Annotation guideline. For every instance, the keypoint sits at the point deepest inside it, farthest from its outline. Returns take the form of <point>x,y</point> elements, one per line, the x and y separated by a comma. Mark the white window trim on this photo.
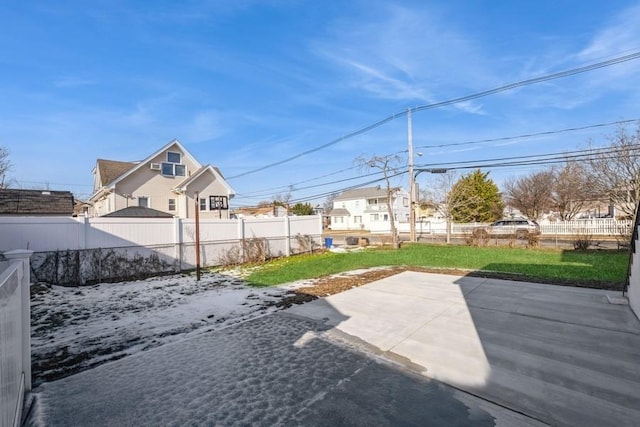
<point>173,167</point>
<point>175,204</point>
<point>174,152</point>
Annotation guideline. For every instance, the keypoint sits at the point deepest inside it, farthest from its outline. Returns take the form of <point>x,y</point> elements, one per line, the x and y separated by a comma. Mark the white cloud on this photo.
<point>620,35</point>
<point>618,38</point>
<point>402,54</point>
<point>205,126</point>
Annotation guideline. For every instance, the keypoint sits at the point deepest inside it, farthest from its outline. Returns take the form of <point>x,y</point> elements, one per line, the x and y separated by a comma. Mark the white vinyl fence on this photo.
<point>633,280</point>
<point>15,338</point>
<point>76,250</point>
<point>595,227</point>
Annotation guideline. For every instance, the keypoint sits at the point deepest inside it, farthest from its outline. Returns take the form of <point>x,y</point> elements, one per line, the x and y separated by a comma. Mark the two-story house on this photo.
<point>169,180</point>
<point>366,209</point>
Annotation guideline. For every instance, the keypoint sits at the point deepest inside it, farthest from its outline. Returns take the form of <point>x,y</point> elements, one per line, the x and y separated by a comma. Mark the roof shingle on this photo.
<point>35,202</point>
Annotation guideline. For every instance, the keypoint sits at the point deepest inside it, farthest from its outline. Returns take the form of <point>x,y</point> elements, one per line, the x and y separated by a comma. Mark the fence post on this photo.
<point>287,236</point>
<point>84,226</point>
<point>241,237</point>
<point>23,256</point>
<point>177,242</point>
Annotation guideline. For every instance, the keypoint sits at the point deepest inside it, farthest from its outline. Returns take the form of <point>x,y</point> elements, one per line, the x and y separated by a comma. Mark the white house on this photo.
<point>366,209</point>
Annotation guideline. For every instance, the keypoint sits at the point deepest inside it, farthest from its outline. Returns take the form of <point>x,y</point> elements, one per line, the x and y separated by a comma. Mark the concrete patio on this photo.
<point>562,355</point>
<point>412,349</point>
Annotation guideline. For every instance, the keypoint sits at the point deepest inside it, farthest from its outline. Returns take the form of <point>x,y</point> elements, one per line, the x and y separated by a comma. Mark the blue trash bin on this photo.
<point>328,242</point>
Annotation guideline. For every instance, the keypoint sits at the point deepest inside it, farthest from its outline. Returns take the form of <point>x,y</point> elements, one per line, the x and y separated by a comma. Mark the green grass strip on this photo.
<point>592,267</point>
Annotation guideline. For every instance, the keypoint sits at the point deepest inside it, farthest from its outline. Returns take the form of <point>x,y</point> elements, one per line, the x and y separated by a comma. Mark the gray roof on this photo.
<point>35,202</point>
<point>138,212</point>
<point>110,170</point>
<point>340,212</point>
<point>362,193</point>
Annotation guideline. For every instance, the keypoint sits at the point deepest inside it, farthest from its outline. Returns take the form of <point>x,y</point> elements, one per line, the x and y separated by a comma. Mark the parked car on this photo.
<point>509,227</point>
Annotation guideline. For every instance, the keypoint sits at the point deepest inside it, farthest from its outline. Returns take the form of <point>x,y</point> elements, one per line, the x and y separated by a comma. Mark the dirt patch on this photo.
<point>338,283</point>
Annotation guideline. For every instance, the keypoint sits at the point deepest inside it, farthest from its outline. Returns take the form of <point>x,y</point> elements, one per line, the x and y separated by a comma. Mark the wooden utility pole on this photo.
<point>412,183</point>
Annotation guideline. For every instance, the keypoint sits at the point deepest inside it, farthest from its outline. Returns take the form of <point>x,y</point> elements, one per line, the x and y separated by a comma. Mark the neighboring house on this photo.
<point>366,209</point>
<point>81,208</point>
<point>168,181</point>
<point>260,212</point>
<point>35,202</point>
<point>426,210</point>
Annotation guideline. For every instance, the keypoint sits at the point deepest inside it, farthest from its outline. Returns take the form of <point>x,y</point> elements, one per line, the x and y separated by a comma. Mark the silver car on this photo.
<point>509,227</point>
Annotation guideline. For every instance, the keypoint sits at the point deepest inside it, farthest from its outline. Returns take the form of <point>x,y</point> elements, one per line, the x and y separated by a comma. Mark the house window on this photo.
<point>372,202</point>
<point>357,219</point>
<point>173,157</point>
<point>203,204</point>
<point>374,217</point>
<point>172,204</point>
<point>357,203</point>
<point>385,217</point>
<point>143,201</point>
<point>405,202</point>
<point>173,169</point>
<point>173,166</point>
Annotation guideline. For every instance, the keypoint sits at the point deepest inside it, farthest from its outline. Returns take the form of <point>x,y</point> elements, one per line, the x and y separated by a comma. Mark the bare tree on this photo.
<point>328,202</point>
<point>570,190</point>
<point>444,197</point>
<point>283,199</point>
<point>5,165</point>
<point>388,165</point>
<point>532,195</point>
<point>616,170</point>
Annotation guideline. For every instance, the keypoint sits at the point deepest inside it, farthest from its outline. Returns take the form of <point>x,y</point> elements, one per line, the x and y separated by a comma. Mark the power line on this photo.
<point>531,81</point>
<point>529,135</point>
<point>265,192</point>
<point>541,159</point>
<point>466,98</point>
<point>531,160</point>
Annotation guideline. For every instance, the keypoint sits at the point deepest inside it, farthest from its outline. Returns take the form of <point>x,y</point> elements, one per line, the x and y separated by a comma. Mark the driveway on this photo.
<point>412,349</point>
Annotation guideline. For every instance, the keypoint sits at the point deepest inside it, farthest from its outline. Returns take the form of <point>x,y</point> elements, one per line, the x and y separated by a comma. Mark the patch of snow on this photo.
<point>75,328</point>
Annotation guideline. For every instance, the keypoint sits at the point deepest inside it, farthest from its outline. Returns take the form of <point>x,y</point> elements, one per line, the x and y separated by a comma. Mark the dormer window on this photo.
<point>173,165</point>
<point>173,157</point>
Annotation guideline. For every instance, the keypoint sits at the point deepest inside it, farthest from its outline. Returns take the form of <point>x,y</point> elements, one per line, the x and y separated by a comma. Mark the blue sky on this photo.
<point>245,84</point>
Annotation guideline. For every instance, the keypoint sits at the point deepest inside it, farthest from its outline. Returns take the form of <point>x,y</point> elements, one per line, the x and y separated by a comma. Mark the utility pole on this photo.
<point>412,184</point>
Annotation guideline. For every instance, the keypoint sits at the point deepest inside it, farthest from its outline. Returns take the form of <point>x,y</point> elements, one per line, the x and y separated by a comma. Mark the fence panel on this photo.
<point>126,232</point>
<point>40,233</point>
<point>11,373</point>
<point>15,342</point>
<point>80,250</point>
<point>305,233</point>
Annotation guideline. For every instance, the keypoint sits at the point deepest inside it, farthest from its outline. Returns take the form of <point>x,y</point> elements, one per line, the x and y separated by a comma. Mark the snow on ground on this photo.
<point>76,328</point>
